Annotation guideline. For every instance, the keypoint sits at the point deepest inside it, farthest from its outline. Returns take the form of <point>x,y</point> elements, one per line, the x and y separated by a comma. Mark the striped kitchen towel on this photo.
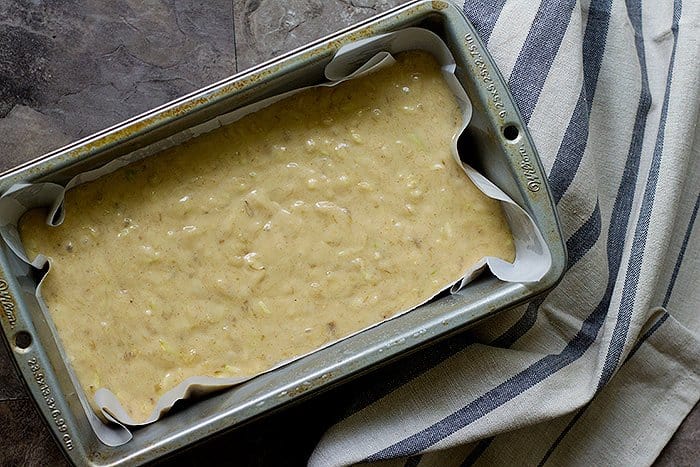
<point>602,369</point>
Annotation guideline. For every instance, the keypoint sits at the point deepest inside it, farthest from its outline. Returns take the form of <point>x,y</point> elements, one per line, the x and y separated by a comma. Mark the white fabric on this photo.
<point>603,370</point>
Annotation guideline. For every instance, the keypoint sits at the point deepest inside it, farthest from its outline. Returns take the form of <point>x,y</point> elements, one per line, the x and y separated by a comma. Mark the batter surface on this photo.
<point>260,241</point>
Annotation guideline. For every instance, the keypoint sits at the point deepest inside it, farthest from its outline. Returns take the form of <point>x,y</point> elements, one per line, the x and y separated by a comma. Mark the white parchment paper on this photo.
<point>360,58</point>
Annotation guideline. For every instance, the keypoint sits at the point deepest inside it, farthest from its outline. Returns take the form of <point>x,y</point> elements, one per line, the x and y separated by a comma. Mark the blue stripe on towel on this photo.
<point>644,337</point>
<point>629,290</point>
<point>577,246</point>
<point>537,55</point>
<point>529,377</point>
<point>572,148</point>
<point>647,335</point>
<point>681,254</point>
<point>484,16</point>
<point>413,461</point>
<point>568,160</point>
<point>634,11</point>
<point>477,452</point>
<point>577,416</point>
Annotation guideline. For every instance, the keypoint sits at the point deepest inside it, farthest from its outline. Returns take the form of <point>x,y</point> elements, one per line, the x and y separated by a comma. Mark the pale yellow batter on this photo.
<point>298,225</point>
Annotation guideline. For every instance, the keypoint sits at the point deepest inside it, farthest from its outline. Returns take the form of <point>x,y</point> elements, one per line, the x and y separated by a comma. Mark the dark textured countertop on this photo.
<point>69,68</point>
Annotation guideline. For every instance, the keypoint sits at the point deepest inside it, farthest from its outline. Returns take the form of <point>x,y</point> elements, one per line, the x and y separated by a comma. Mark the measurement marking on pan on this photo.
<point>485,74</point>
<point>533,180</point>
<point>46,392</point>
<point>8,304</point>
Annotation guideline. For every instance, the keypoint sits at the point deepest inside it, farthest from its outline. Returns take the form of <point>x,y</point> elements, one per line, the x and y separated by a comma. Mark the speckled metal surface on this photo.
<point>69,68</point>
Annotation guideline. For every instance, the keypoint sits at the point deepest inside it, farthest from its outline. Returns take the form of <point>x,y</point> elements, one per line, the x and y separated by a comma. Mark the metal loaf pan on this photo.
<point>496,142</point>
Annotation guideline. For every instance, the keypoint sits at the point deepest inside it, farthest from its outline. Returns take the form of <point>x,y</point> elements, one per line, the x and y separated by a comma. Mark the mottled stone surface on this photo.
<point>69,68</point>
<point>267,28</point>
<point>24,438</point>
<point>27,133</point>
<point>684,447</point>
<point>88,65</point>
<point>10,385</point>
